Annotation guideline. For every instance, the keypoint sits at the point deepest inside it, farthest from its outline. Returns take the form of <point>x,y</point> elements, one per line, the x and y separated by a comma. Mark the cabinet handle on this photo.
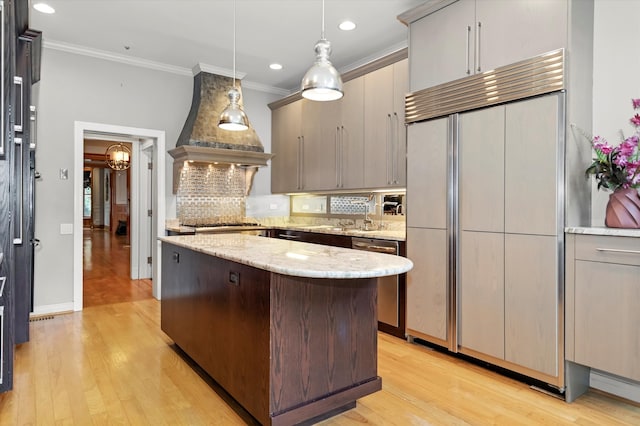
<point>289,237</point>
<point>342,168</point>
<point>302,162</point>
<point>467,50</point>
<point>3,280</point>
<point>33,136</point>
<point>298,164</point>
<point>2,94</point>
<point>388,145</point>
<point>617,250</point>
<point>17,126</point>
<point>337,155</point>
<point>175,256</point>
<point>478,47</point>
<point>397,162</point>
<point>19,193</point>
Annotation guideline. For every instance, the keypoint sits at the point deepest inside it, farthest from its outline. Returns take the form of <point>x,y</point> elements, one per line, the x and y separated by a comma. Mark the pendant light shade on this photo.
<point>322,82</point>
<point>233,117</point>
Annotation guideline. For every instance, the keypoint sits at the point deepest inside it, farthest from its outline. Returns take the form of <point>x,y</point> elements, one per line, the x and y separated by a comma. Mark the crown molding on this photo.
<point>114,57</point>
<point>159,66</point>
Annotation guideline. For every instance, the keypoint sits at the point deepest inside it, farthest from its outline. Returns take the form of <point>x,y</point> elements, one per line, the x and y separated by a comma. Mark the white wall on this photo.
<point>616,67</point>
<point>81,88</point>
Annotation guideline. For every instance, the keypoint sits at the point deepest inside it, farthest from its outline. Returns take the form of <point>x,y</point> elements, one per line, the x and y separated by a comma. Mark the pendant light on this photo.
<point>233,117</point>
<point>322,82</point>
<point>118,157</point>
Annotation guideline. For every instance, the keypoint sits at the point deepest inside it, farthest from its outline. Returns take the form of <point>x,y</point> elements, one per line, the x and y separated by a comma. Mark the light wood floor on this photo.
<point>111,364</point>
<point>106,270</point>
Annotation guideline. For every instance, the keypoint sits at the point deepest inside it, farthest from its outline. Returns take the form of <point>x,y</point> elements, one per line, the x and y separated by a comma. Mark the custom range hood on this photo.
<point>201,140</point>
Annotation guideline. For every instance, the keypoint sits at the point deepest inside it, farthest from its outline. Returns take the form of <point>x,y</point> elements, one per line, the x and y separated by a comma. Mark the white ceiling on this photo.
<point>184,33</point>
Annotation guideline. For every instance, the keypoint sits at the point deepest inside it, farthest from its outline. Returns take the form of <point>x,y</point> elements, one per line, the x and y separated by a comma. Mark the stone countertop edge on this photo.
<point>381,234</point>
<point>603,230</point>
<point>293,257</point>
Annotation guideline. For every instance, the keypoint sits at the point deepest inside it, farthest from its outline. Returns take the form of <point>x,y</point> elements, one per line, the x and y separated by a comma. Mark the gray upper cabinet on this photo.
<point>385,132</point>
<point>474,36</point>
<point>333,140</point>
<point>320,146</point>
<point>286,142</point>
<point>350,136</point>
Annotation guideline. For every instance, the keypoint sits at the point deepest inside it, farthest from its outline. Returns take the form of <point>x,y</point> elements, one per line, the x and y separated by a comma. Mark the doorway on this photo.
<point>146,183</point>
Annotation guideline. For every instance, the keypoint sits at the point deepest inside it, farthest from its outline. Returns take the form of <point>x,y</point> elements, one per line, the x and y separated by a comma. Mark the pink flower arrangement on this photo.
<point>618,167</point>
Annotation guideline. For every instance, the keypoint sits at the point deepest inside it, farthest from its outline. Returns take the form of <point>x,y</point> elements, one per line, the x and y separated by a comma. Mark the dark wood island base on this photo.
<point>286,348</point>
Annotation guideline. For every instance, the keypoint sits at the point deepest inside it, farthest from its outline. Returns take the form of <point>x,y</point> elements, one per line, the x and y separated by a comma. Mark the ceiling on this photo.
<point>184,33</point>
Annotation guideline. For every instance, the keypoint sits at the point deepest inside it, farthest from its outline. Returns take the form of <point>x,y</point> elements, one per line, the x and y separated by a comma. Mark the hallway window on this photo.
<point>86,210</point>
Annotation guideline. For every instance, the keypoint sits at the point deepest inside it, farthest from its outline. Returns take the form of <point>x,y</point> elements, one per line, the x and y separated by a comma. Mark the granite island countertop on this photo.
<point>603,230</point>
<point>293,257</point>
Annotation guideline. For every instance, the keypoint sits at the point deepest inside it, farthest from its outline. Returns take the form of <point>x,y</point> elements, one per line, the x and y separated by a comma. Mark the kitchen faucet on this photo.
<point>366,221</point>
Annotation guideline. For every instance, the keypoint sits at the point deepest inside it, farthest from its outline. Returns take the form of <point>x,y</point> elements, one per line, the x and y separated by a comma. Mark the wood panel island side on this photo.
<point>288,329</point>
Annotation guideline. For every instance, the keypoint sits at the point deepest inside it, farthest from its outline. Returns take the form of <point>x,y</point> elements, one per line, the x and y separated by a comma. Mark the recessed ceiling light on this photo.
<point>347,26</point>
<point>44,8</point>
<point>275,66</point>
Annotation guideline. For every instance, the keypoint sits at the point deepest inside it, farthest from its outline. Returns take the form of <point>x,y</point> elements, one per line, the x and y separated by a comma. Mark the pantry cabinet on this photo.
<point>473,36</point>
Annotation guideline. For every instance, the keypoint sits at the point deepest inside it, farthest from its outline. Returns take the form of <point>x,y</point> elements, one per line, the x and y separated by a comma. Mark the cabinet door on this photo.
<point>531,166</point>
<point>481,292</point>
<point>427,296</point>
<point>481,170</point>
<point>607,315</point>
<point>511,31</point>
<point>285,142</point>
<point>441,45</point>
<point>531,302</point>
<point>378,129</point>
<point>320,144</point>
<point>400,89</point>
<point>427,173</point>
<point>352,135</point>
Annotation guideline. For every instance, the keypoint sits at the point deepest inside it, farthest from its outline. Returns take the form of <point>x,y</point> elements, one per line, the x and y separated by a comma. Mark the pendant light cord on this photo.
<point>322,35</point>
<point>234,43</point>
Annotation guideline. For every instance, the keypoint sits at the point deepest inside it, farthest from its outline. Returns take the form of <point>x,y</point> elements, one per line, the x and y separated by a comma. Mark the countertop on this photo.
<point>293,257</point>
<point>603,230</point>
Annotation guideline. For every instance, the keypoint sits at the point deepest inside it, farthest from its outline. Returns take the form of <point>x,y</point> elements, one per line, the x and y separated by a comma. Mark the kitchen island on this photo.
<point>288,329</point>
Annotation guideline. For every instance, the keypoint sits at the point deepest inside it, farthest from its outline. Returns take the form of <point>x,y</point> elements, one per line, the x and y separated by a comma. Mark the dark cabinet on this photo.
<point>20,62</point>
<point>7,278</point>
<point>27,55</point>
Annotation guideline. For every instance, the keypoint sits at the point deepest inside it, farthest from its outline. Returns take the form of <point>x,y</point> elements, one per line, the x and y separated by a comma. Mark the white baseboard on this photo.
<point>619,386</point>
<point>53,309</point>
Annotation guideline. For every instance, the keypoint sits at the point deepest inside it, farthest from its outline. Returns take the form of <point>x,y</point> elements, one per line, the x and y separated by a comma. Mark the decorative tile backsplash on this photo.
<point>209,193</point>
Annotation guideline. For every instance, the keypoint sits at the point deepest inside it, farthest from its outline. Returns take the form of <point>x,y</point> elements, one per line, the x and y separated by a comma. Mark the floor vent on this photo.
<point>41,318</point>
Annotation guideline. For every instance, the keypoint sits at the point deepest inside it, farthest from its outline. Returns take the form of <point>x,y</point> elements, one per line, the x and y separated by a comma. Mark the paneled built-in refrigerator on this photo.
<point>486,215</point>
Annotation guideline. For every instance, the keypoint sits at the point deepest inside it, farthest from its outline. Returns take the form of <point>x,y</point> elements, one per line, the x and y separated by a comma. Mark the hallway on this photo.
<point>105,267</point>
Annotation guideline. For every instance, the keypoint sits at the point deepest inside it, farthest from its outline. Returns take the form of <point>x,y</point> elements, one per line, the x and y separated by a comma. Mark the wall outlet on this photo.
<point>273,206</point>
<point>64,174</point>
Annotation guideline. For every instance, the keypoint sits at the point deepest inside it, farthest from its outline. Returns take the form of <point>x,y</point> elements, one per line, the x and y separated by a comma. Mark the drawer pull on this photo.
<point>618,250</point>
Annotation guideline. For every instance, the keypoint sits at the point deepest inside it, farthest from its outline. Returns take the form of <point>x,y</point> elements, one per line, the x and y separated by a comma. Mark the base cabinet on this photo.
<point>286,348</point>
<point>603,304</point>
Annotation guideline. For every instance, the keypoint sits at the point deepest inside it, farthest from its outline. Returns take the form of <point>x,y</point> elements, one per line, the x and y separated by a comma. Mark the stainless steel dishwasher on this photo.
<point>389,309</point>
